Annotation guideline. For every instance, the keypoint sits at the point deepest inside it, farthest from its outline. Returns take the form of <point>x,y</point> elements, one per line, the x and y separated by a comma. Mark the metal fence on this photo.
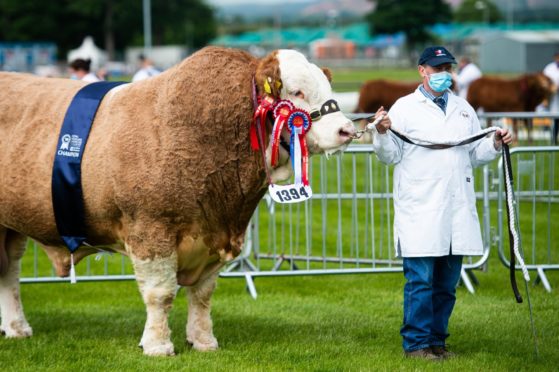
<point>346,227</point>
<point>536,185</point>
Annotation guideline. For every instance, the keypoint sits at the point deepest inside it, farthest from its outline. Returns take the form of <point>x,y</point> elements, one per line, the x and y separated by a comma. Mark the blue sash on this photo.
<point>67,194</point>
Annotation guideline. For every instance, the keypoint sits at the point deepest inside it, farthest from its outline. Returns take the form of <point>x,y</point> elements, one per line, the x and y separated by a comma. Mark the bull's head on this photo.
<point>287,74</point>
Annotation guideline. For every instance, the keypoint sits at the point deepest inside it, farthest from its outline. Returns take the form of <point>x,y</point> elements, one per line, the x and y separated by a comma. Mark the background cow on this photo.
<point>376,93</point>
<point>522,94</point>
<point>168,175</point>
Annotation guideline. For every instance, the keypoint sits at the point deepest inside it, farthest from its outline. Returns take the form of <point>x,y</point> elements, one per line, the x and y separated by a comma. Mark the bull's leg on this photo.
<point>199,331</point>
<point>14,323</point>
<point>157,279</point>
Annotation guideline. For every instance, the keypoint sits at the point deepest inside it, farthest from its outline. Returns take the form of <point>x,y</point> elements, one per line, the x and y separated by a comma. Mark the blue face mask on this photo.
<point>440,81</point>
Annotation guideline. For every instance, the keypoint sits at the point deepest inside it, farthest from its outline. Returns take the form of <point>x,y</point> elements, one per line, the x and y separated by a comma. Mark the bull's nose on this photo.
<point>347,131</point>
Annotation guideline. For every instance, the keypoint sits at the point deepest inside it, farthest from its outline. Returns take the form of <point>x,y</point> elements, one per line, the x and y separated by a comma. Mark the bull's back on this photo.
<point>31,114</point>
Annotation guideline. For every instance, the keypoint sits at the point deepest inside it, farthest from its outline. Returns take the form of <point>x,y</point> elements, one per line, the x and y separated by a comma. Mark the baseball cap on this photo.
<point>435,56</point>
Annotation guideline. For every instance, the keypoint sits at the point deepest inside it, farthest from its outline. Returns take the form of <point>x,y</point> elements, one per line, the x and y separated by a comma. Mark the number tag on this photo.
<point>294,193</point>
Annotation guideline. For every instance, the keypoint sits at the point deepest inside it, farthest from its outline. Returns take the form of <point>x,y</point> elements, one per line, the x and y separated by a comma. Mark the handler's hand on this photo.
<point>501,135</point>
<point>385,123</point>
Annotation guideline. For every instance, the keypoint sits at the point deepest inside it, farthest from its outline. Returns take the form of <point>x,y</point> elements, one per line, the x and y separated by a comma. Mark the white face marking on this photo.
<point>332,132</point>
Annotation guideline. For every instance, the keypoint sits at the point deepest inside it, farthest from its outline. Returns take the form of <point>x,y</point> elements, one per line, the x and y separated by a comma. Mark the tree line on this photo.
<point>114,24</point>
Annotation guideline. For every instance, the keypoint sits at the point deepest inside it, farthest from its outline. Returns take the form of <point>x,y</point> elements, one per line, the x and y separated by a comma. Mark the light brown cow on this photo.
<point>376,93</point>
<point>522,94</point>
<point>168,175</point>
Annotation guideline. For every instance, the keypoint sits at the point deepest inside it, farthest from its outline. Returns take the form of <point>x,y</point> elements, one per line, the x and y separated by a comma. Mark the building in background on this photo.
<point>26,56</point>
<point>517,51</point>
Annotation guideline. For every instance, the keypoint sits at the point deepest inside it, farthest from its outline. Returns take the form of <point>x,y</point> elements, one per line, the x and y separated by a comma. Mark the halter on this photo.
<point>327,107</point>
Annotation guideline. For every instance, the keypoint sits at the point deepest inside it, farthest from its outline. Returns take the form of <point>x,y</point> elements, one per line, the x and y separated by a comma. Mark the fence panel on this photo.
<point>345,228</point>
<point>536,186</point>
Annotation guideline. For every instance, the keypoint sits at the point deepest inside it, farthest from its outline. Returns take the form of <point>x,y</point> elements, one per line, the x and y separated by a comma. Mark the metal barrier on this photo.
<point>345,228</point>
<point>534,120</point>
<point>36,267</point>
<point>536,185</point>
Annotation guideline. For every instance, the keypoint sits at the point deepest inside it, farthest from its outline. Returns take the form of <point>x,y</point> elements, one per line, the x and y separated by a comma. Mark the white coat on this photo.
<point>434,199</point>
<point>467,76</point>
<point>552,72</point>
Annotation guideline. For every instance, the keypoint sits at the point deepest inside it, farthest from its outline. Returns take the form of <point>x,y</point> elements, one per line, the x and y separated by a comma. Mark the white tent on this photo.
<point>88,50</point>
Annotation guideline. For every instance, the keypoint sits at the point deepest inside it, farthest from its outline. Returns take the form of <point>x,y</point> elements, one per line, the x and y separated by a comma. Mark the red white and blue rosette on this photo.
<point>298,123</point>
<point>282,110</point>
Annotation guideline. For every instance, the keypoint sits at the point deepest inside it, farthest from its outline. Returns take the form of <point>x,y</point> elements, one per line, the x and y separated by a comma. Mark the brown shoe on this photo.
<point>426,353</point>
<point>442,352</point>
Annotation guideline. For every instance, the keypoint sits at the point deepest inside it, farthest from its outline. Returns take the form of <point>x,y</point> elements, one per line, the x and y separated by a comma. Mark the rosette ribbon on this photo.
<point>298,124</point>
<point>282,110</point>
<point>258,128</point>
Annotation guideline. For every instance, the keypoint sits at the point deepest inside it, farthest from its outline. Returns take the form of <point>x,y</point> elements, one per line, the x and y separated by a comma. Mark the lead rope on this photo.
<point>514,236</point>
<point>514,242</point>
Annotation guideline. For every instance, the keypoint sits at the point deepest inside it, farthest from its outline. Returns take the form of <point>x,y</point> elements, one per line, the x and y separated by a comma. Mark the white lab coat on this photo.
<point>145,73</point>
<point>552,71</point>
<point>434,199</point>
<point>467,75</point>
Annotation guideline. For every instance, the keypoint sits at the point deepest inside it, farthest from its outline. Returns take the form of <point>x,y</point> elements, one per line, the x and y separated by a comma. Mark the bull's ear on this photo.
<point>328,73</point>
<point>268,76</point>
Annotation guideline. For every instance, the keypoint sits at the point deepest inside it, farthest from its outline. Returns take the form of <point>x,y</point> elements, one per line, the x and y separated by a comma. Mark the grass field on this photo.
<point>309,323</point>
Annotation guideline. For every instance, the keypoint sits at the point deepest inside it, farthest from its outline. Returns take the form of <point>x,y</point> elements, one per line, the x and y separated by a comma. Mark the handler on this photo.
<point>435,217</point>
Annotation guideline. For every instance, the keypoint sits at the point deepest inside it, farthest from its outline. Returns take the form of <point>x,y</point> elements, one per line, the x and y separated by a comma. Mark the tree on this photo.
<point>411,17</point>
<point>477,11</point>
<point>114,24</point>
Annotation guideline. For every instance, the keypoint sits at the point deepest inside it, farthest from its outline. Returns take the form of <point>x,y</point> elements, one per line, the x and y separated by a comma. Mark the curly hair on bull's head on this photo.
<point>268,76</point>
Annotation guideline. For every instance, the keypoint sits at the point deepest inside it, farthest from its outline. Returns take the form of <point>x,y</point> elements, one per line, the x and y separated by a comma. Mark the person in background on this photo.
<point>552,72</point>
<point>435,217</point>
<point>467,73</point>
<point>80,70</point>
<point>146,70</point>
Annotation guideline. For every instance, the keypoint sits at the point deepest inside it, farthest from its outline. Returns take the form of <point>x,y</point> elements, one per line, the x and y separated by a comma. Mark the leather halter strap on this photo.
<point>327,107</point>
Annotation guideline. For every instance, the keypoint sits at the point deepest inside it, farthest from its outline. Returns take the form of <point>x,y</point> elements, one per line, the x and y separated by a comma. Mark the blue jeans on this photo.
<point>429,297</point>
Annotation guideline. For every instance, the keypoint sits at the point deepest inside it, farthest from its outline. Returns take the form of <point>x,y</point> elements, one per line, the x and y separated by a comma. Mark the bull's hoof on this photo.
<point>17,329</point>
<point>206,345</point>
<point>158,349</point>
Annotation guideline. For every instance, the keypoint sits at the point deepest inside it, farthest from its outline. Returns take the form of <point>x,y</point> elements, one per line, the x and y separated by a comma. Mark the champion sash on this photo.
<point>67,194</point>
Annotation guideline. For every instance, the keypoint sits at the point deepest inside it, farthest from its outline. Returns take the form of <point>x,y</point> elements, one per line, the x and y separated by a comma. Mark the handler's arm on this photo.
<point>483,151</point>
<point>387,146</point>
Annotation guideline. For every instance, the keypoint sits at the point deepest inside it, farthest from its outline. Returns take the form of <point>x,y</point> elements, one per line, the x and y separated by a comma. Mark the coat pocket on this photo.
<point>422,194</point>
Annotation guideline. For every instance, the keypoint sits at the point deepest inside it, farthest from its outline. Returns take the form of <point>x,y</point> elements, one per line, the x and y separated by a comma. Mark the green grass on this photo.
<point>307,323</point>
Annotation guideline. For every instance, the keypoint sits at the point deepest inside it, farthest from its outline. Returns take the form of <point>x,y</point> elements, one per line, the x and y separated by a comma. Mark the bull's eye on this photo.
<point>299,94</point>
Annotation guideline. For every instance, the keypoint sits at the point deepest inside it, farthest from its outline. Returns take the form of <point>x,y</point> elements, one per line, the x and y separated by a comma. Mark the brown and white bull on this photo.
<point>168,175</point>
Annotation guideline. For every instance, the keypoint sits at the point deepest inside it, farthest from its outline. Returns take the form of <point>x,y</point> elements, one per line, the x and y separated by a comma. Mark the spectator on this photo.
<point>80,70</point>
<point>146,70</point>
<point>435,218</point>
<point>467,73</point>
<point>552,71</point>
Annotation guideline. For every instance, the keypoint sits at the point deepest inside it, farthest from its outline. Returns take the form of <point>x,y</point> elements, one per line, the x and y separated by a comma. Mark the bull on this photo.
<point>169,177</point>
